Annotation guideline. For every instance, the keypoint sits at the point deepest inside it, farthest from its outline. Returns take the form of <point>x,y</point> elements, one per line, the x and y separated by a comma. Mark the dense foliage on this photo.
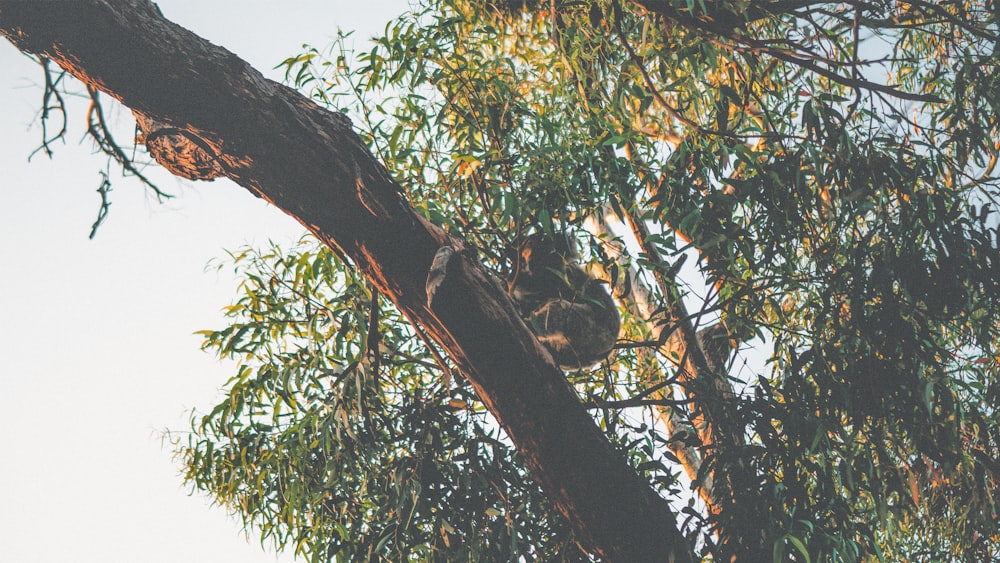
<point>830,170</point>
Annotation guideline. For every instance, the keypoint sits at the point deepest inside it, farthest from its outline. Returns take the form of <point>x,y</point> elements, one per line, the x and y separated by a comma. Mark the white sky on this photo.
<point>96,341</point>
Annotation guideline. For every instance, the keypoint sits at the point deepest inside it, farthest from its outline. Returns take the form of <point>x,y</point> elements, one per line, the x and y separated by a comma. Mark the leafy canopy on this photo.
<point>829,168</point>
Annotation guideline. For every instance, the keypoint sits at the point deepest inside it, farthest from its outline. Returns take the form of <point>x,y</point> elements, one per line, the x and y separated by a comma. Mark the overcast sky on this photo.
<point>96,337</point>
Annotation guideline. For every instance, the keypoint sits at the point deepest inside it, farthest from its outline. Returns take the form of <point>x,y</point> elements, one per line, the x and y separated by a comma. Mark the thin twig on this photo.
<point>50,91</point>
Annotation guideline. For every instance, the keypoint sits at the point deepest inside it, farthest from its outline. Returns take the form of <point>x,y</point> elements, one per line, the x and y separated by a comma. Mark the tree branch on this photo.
<point>639,302</point>
<point>308,162</point>
<point>728,26</point>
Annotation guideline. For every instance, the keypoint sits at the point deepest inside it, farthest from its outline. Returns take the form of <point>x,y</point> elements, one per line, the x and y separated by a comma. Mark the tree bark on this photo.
<point>308,162</point>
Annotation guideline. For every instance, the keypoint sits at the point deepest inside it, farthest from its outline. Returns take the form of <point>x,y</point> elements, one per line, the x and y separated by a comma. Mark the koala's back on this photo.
<point>578,333</point>
<point>572,313</point>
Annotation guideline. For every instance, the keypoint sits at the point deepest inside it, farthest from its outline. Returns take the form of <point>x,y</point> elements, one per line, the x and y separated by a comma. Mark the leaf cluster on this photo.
<point>341,438</point>
<point>830,167</point>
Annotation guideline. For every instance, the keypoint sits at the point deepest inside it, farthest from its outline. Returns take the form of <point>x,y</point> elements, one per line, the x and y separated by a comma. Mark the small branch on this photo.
<point>98,130</point>
<point>374,338</point>
<point>628,403</point>
<point>727,24</point>
<point>102,212</point>
<point>807,64</point>
<point>50,91</point>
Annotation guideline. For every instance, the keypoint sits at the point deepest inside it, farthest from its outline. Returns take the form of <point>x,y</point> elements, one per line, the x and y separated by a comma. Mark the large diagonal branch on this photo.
<point>309,162</point>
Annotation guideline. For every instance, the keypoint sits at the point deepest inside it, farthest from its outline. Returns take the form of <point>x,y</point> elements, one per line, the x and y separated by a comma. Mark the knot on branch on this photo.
<point>177,150</point>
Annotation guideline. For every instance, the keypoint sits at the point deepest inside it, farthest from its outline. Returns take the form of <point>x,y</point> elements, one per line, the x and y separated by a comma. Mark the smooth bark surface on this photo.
<point>309,162</point>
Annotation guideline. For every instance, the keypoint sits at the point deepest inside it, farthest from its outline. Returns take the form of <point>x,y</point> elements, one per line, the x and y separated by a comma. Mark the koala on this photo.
<point>570,311</point>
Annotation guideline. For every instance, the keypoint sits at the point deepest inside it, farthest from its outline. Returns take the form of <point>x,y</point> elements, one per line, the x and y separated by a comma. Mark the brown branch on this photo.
<point>790,57</point>
<point>728,27</point>
<point>309,162</point>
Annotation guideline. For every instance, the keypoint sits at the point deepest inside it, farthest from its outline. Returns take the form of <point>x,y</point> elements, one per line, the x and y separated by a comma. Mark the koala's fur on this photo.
<point>571,312</point>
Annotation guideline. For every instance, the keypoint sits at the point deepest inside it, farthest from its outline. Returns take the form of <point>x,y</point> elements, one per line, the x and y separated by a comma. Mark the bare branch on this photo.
<point>51,91</point>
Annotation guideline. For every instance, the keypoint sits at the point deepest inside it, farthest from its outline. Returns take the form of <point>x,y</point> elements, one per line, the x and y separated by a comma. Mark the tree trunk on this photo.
<point>308,162</point>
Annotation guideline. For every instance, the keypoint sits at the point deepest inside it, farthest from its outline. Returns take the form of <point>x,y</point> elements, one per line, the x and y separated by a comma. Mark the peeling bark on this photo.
<point>308,162</point>
<point>640,303</point>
